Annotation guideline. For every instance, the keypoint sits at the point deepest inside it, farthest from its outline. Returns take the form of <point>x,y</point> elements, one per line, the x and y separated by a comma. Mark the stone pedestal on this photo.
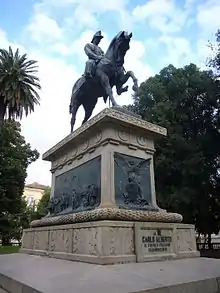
<point>110,242</point>
<point>104,171</point>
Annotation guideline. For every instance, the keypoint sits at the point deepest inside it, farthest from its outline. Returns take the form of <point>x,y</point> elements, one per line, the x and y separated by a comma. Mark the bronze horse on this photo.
<point>109,72</point>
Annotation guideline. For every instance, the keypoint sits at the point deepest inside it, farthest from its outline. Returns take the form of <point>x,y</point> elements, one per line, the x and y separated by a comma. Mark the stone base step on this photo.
<point>20,273</point>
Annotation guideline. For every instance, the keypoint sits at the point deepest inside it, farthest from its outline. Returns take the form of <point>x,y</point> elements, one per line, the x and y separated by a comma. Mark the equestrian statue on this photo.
<point>102,72</point>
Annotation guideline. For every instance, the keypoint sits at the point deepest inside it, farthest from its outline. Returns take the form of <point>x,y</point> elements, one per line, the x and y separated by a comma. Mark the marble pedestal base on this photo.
<point>34,274</point>
<point>111,242</point>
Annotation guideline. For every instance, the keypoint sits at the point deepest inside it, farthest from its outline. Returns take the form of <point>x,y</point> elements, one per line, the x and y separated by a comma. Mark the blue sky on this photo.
<point>54,32</point>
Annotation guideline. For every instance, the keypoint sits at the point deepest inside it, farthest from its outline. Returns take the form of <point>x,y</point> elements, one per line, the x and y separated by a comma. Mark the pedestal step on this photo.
<point>110,242</point>
<point>35,274</point>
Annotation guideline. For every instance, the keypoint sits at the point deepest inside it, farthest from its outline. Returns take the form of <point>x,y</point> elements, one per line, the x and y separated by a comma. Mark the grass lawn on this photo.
<point>9,249</point>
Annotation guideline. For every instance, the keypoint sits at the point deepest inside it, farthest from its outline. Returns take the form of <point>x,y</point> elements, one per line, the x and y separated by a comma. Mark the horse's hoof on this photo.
<point>135,88</point>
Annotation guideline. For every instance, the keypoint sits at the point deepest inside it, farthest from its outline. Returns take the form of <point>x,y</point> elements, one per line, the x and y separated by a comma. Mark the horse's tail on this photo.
<point>75,90</point>
<point>72,100</point>
<point>73,107</point>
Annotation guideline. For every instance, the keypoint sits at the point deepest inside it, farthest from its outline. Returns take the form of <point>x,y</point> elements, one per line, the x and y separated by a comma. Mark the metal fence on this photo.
<point>211,251</point>
<point>205,246</point>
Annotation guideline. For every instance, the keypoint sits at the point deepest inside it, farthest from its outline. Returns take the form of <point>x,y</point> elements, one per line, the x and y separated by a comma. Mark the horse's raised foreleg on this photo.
<point>135,81</point>
<point>120,89</point>
<point>106,86</point>
<point>123,79</point>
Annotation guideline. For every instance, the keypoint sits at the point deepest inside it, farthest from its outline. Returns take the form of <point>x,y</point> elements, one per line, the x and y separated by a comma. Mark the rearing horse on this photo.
<point>109,72</point>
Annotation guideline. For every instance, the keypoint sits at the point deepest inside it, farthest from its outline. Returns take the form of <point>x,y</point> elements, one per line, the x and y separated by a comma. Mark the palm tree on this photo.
<point>18,85</point>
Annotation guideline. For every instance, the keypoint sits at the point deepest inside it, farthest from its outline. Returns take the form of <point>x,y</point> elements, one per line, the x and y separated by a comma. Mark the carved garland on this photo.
<point>109,214</point>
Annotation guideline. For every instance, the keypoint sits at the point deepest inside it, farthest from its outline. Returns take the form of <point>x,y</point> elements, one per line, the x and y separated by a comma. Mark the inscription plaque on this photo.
<point>132,182</point>
<point>156,242</point>
<point>153,242</point>
<point>77,189</point>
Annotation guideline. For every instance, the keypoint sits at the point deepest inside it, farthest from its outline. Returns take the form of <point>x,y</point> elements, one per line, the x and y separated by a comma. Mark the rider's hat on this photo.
<point>98,34</point>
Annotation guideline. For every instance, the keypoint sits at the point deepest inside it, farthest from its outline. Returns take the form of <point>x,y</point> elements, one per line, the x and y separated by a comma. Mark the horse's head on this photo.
<point>118,47</point>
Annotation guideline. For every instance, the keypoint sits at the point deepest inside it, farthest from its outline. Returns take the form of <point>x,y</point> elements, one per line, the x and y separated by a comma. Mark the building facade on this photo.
<point>33,193</point>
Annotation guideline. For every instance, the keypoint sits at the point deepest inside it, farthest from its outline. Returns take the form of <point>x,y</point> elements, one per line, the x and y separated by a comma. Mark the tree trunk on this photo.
<point>2,111</point>
<point>198,238</point>
<point>6,241</point>
<point>204,241</point>
<point>210,241</point>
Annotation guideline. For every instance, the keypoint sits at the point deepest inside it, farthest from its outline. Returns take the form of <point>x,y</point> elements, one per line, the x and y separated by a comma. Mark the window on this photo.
<point>30,201</point>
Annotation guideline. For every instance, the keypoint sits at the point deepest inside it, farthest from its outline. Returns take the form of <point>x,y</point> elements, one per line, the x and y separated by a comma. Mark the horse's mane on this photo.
<point>113,41</point>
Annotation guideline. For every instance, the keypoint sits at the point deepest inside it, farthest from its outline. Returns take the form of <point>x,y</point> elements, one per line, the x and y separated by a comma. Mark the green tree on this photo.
<point>214,59</point>
<point>15,156</point>
<point>42,207</point>
<point>18,84</point>
<point>36,212</point>
<point>15,223</point>
<point>186,102</point>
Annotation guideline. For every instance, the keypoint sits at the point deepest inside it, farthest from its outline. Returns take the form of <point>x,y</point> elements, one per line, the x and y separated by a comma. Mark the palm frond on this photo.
<point>19,85</point>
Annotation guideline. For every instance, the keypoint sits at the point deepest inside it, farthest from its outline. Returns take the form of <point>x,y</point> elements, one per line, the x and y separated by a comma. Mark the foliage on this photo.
<point>36,212</point>
<point>186,102</point>
<point>9,249</point>
<point>42,207</point>
<point>18,84</point>
<point>15,156</point>
<point>214,59</point>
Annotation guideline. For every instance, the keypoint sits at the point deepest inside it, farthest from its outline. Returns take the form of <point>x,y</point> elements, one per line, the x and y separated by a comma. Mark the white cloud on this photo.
<point>152,8</point>
<point>208,16</point>
<point>203,51</point>
<point>51,120</point>
<point>61,48</point>
<point>5,42</point>
<point>162,15</point>
<point>179,51</point>
<point>56,3</point>
<point>44,28</point>
<point>85,12</point>
<point>96,6</point>
<point>84,17</point>
<point>133,61</point>
<point>189,4</point>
